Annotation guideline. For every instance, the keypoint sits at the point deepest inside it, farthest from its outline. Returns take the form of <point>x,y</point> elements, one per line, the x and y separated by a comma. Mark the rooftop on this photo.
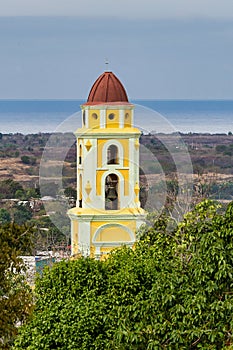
<point>107,88</point>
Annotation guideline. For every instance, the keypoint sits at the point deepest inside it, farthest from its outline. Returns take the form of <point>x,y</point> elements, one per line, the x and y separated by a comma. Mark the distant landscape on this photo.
<point>211,156</point>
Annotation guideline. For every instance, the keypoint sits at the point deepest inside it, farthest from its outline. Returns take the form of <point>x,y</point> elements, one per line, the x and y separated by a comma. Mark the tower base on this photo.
<point>95,233</point>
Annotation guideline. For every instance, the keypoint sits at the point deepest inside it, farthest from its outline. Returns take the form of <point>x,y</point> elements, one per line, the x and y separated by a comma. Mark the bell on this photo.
<point>111,193</point>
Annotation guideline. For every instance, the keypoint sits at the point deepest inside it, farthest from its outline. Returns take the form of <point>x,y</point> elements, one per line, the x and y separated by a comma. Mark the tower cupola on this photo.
<point>107,88</point>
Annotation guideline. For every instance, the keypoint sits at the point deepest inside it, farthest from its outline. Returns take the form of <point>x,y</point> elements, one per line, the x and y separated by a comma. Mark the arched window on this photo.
<point>127,120</point>
<point>80,154</point>
<point>84,118</point>
<point>111,192</point>
<point>94,116</point>
<point>112,155</point>
<point>80,191</point>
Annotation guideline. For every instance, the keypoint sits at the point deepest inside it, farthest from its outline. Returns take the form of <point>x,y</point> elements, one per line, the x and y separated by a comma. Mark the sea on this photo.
<point>151,116</point>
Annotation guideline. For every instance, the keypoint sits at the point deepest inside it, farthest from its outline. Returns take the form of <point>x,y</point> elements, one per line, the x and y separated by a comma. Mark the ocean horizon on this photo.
<point>157,116</point>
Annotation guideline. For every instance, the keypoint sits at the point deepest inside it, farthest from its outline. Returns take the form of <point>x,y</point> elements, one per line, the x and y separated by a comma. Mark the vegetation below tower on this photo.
<point>173,291</point>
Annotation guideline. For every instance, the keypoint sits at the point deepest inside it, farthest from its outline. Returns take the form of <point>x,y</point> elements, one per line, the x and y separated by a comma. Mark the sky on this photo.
<point>160,49</point>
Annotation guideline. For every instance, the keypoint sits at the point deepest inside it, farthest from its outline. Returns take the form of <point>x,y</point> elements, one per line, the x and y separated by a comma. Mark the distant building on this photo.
<point>107,211</point>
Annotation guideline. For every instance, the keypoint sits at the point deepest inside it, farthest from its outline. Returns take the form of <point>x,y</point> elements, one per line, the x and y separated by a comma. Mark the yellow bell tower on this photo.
<point>107,211</point>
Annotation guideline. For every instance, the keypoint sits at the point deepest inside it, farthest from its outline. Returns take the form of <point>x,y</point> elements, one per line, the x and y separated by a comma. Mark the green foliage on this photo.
<point>32,193</point>
<point>173,291</point>
<point>22,214</point>
<point>25,159</point>
<point>221,148</point>
<point>227,150</point>
<point>223,190</point>
<point>5,217</point>
<point>70,192</point>
<point>13,189</point>
<point>8,188</point>
<point>28,160</point>
<point>20,194</point>
<point>15,294</point>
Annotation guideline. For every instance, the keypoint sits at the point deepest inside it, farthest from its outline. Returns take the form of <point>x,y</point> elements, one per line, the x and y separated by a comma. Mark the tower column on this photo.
<point>107,212</point>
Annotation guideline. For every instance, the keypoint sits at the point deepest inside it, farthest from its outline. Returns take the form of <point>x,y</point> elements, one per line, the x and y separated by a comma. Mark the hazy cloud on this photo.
<point>158,9</point>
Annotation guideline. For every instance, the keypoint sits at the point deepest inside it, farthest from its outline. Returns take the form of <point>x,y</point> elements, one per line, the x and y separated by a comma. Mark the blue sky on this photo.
<point>170,49</point>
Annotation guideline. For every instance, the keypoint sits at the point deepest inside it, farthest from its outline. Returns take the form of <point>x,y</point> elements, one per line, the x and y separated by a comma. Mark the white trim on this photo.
<point>109,215</point>
<point>87,118</point>
<point>89,174</point>
<point>113,243</point>
<point>102,118</point>
<point>103,134</point>
<point>106,106</point>
<point>121,118</point>
<point>72,236</point>
<point>84,238</point>
<point>97,253</point>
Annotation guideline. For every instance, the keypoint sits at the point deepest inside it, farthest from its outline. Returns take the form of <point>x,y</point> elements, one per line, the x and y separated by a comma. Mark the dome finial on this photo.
<point>106,64</point>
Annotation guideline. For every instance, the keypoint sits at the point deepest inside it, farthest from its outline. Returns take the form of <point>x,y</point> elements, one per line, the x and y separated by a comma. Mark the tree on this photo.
<point>32,193</point>
<point>22,214</point>
<point>25,159</point>
<point>70,192</point>
<point>15,294</point>
<point>20,194</point>
<point>8,188</point>
<point>5,217</point>
<point>173,291</point>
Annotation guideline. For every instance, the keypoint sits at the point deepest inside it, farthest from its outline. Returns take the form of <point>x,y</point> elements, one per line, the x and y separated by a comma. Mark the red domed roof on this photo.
<point>107,88</point>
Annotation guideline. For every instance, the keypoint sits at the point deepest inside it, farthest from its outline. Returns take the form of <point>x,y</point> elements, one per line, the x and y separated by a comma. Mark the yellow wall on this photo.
<point>125,174</point>
<point>125,144</point>
<point>113,234</point>
<point>110,233</point>
<point>94,123</point>
<point>112,123</point>
<point>99,174</point>
<point>100,144</point>
<point>80,187</point>
<point>121,234</point>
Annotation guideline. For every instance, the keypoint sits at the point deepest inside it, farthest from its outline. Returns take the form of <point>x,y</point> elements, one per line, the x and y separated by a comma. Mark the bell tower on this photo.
<point>107,211</point>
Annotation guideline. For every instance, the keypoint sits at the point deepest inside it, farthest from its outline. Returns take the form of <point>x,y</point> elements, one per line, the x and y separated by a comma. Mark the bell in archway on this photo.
<point>111,193</point>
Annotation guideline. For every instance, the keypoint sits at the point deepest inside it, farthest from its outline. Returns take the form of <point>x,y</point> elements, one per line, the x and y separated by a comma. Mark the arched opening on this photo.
<point>94,116</point>
<point>112,155</point>
<point>80,191</point>
<point>127,120</point>
<point>84,118</point>
<point>80,155</point>
<point>111,192</point>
